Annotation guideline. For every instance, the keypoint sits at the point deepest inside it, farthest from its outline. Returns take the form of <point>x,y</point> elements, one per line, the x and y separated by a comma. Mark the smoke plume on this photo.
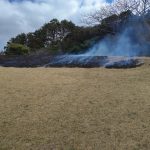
<point>131,41</point>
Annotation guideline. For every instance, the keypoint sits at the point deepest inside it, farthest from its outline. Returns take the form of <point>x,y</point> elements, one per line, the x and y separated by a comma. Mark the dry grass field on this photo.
<point>75,109</point>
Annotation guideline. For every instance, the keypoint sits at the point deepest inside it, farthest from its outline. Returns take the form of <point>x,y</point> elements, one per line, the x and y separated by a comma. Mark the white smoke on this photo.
<point>130,42</point>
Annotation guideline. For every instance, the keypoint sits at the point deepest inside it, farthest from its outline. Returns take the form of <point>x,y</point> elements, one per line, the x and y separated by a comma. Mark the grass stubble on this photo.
<point>75,109</point>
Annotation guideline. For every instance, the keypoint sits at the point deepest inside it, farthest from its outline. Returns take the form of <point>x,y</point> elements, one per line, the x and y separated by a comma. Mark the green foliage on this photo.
<point>125,14</point>
<point>16,49</point>
<point>58,36</point>
<point>63,36</point>
<point>21,39</point>
<point>78,47</point>
<point>54,47</point>
<point>110,20</point>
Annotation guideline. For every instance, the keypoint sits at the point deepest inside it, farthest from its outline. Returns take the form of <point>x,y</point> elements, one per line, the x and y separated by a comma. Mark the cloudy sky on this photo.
<point>17,16</point>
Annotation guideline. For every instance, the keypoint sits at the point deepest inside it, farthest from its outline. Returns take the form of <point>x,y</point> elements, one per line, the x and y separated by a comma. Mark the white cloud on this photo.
<point>26,16</point>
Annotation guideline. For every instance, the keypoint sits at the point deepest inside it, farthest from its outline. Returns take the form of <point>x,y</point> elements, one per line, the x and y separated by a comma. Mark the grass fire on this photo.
<point>80,81</point>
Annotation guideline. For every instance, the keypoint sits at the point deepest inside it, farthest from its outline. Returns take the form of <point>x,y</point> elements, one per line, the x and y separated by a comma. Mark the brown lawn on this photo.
<point>75,109</point>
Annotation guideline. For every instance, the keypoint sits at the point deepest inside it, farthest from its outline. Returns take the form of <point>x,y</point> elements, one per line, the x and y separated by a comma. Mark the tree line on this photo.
<point>64,36</point>
<point>55,36</point>
<point>61,37</point>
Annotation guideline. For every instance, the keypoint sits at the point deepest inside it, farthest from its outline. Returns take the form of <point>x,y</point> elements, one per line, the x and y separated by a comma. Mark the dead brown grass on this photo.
<point>75,109</point>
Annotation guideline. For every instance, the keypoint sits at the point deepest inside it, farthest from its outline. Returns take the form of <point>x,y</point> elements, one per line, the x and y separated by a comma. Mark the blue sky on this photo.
<point>19,16</point>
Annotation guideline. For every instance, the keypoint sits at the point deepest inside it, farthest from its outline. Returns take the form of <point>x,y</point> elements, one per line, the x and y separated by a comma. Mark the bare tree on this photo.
<point>144,7</point>
<point>137,7</point>
<point>125,5</point>
<point>97,16</point>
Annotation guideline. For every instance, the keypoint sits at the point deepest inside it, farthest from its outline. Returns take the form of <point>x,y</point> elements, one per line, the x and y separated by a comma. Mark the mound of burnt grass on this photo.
<point>32,60</point>
<point>126,63</point>
<point>79,61</point>
<point>70,61</point>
